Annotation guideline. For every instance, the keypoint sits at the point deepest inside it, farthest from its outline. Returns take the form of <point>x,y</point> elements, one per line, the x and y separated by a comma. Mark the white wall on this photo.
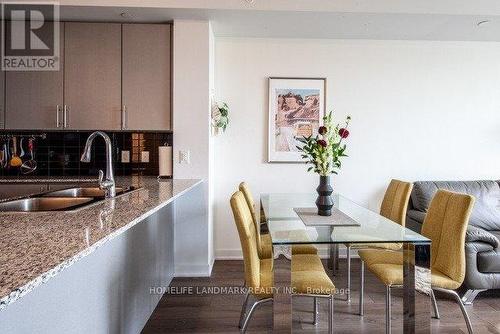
<point>211,159</point>
<point>191,124</point>
<point>191,86</point>
<point>421,111</point>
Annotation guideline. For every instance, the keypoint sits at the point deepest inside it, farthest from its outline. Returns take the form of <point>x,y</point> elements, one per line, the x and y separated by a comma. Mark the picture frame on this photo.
<point>296,109</point>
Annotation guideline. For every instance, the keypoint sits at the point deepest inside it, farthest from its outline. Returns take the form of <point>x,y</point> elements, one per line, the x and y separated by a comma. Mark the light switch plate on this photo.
<point>184,157</point>
<point>125,157</point>
<point>145,156</point>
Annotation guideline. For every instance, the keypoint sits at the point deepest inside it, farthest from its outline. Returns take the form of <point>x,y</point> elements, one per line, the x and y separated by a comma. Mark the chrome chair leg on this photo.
<point>316,311</point>
<point>462,307</point>
<point>362,289</point>
<point>330,316</point>
<point>435,305</point>
<point>388,311</point>
<point>243,310</point>
<point>252,309</point>
<point>348,292</point>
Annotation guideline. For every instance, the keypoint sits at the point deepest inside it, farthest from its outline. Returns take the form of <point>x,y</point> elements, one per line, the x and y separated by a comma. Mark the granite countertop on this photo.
<point>37,246</point>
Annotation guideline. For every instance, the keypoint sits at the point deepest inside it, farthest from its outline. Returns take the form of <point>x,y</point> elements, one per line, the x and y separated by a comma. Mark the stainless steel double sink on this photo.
<point>66,199</point>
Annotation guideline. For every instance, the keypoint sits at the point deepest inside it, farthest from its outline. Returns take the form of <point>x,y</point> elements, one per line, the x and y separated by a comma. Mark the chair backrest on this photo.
<point>445,224</point>
<point>245,189</point>
<point>395,202</point>
<point>247,233</point>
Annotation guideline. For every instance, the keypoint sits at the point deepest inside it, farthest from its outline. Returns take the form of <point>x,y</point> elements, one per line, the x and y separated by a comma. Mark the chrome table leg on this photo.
<point>416,288</point>
<point>282,304</point>
<point>337,257</point>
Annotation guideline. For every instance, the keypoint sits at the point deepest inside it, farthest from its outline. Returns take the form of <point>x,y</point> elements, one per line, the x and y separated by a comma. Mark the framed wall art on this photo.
<point>296,109</point>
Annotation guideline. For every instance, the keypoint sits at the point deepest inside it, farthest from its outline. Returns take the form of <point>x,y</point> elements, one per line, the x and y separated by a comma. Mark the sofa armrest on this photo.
<point>475,234</point>
<point>474,279</point>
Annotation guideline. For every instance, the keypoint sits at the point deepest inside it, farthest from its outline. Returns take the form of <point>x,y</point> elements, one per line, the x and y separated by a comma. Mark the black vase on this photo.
<point>324,202</point>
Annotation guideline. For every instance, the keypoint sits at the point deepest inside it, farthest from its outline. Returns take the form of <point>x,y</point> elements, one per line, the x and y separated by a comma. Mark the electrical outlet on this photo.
<point>184,157</point>
<point>125,157</point>
<point>145,156</point>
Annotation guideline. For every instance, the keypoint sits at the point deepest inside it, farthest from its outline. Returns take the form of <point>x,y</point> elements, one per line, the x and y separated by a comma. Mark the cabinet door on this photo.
<point>146,76</point>
<point>32,98</point>
<point>2,100</point>
<point>92,77</point>
<point>2,93</point>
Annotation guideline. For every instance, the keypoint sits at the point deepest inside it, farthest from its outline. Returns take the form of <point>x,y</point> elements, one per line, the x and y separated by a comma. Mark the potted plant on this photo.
<point>220,116</point>
<point>324,153</point>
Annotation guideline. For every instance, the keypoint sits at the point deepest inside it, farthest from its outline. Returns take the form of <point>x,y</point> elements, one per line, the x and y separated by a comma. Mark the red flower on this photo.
<point>344,133</point>
<point>322,142</point>
<point>322,130</point>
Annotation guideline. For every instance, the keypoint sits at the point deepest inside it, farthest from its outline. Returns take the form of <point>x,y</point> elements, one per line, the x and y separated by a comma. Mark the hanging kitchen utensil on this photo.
<point>15,161</point>
<point>21,147</point>
<point>6,151</point>
<point>2,155</point>
<point>5,160</point>
<point>29,166</point>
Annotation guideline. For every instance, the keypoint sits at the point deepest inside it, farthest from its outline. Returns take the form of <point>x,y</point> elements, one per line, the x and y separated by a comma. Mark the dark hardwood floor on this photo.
<point>219,313</point>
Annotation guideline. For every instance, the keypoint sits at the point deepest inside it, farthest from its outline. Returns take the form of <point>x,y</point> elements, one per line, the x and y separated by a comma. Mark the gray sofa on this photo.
<point>482,247</point>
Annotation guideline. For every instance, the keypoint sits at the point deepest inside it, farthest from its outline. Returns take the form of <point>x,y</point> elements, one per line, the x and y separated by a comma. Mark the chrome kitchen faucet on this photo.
<point>107,184</point>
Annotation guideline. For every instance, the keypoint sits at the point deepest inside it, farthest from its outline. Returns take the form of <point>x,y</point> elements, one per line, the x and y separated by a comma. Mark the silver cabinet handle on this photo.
<point>58,110</point>
<point>65,116</point>
<point>124,118</point>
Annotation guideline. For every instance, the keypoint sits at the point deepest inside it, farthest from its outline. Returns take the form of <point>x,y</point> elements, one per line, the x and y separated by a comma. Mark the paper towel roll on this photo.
<point>165,160</point>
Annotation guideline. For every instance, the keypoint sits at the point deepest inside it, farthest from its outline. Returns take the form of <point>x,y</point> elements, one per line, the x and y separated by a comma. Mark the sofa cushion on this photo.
<point>486,212</point>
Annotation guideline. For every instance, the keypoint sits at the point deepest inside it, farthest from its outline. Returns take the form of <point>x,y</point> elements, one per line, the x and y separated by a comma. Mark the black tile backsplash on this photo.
<point>59,153</point>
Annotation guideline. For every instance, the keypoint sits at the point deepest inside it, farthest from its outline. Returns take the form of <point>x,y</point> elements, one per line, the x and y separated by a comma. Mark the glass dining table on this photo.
<point>368,227</point>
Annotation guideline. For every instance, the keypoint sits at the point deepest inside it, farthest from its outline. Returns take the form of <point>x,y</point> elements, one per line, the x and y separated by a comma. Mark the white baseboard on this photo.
<point>228,254</point>
<point>236,254</point>
<point>190,270</point>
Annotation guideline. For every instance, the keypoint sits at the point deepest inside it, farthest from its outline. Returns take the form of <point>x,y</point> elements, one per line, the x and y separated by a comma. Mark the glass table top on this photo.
<point>286,228</point>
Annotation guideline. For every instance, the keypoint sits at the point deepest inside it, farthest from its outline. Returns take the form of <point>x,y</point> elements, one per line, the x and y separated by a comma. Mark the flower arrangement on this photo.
<point>325,151</point>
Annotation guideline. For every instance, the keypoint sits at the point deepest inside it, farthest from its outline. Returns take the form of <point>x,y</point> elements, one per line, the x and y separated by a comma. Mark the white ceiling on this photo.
<point>421,21</point>
<point>445,7</point>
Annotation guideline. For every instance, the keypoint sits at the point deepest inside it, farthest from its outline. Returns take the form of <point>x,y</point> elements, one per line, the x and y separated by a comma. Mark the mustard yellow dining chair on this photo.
<point>307,273</point>
<point>445,225</point>
<point>264,242</point>
<point>394,206</point>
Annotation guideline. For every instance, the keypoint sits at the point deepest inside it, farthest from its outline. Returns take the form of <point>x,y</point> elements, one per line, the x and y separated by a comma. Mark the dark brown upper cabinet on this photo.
<point>92,76</point>
<point>112,77</point>
<point>2,100</point>
<point>34,99</point>
<point>146,77</point>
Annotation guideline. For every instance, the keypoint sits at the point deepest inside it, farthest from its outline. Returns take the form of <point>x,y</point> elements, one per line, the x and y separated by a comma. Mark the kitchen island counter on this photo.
<point>35,247</point>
